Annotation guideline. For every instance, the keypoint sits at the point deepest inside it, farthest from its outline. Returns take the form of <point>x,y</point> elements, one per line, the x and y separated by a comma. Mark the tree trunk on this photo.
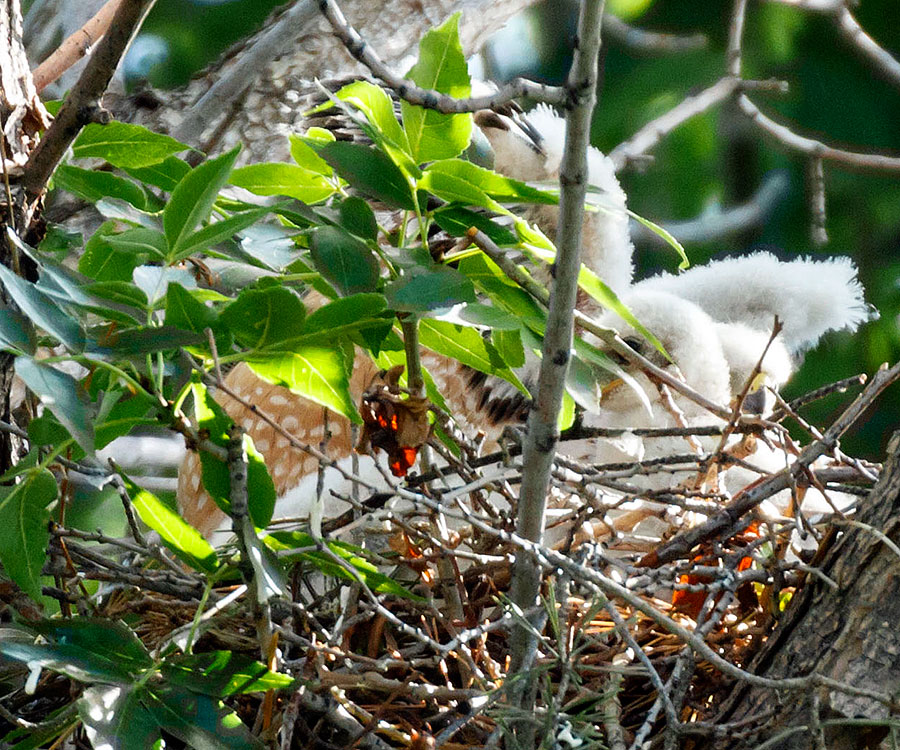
<point>850,634</point>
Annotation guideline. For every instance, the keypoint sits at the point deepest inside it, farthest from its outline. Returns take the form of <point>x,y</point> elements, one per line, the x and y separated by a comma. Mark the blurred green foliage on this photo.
<point>834,95</point>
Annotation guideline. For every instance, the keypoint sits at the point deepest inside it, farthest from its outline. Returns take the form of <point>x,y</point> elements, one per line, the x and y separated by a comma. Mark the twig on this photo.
<point>653,42</point>
<point>75,47</point>
<point>82,105</point>
<point>542,432</point>
<point>818,231</point>
<point>746,500</point>
<point>849,28</point>
<point>653,132</point>
<point>429,98</point>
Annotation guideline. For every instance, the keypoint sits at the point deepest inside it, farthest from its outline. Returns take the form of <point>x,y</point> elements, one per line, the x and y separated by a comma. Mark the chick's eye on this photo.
<point>635,343</point>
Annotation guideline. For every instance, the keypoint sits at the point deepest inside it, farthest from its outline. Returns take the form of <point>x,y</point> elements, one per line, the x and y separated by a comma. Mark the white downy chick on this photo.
<point>531,151</point>
<point>810,297</point>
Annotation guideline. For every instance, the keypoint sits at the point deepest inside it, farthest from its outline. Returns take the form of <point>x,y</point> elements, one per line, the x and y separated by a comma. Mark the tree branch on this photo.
<point>82,105</point>
<point>542,432</point>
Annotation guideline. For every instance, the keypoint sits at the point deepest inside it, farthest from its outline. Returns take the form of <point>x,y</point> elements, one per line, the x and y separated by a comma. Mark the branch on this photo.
<point>654,42</point>
<point>649,136</point>
<point>715,223</point>
<point>870,50</point>
<point>82,105</point>
<point>429,98</point>
<point>745,501</point>
<point>543,434</point>
<point>75,47</point>
<point>244,70</point>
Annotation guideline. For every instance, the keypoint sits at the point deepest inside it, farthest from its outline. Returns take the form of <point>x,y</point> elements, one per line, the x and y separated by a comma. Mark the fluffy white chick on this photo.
<point>532,151</point>
<point>810,297</point>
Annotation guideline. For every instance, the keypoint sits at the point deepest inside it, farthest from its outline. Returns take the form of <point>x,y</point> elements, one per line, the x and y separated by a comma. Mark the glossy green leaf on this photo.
<point>378,108</point>
<point>183,539</point>
<point>104,262</point>
<point>467,346</point>
<point>93,185</point>
<point>146,340</point>
<point>441,66</point>
<point>357,217</point>
<point>456,221</point>
<point>306,157</point>
<point>16,333</point>
<point>165,175</point>
<point>42,310</point>
<point>422,289</point>
<point>223,673</point>
<point>371,172</point>
<point>509,344</point>
<point>24,519</point>
<point>125,145</point>
<point>193,198</point>
<point>344,260</point>
<point>109,638</point>
<point>216,232</point>
<point>265,317</point>
<point>139,241</point>
<point>355,557</point>
<point>75,661</point>
<point>291,180</point>
<point>200,721</point>
<point>184,311</point>
<point>59,392</point>
<point>122,292</point>
<point>115,717</point>
<point>666,236</point>
<point>490,317</point>
<point>455,189</point>
<point>495,185</point>
<point>345,314</point>
<point>315,372</point>
<point>122,418</point>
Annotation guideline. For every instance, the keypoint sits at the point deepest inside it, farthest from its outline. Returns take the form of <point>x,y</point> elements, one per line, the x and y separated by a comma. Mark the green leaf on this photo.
<point>140,242</point>
<point>378,108</point>
<point>125,145</point>
<point>165,175</point>
<point>284,541</point>
<point>59,392</point>
<point>184,311</point>
<point>84,665</point>
<point>666,236</point>
<point>566,417</point>
<point>212,419</point>
<point>369,171</point>
<point>263,318</point>
<point>108,638</point>
<point>42,310</point>
<point>495,185</point>
<point>441,66</point>
<point>103,261</point>
<point>456,221</point>
<point>347,262</point>
<point>216,232</point>
<point>314,372</point>
<point>490,279</point>
<point>124,416</point>
<point>24,519</point>
<point>186,543</point>
<point>346,314</point>
<point>123,292</point>
<point>306,157</point>
<point>275,178</point>
<point>509,344</point>
<point>16,333</point>
<point>223,673</point>
<point>201,722</point>
<point>357,217</point>
<point>422,289</point>
<point>116,718</point>
<point>146,340</point>
<point>467,346</point>
<point>490,317</point>
<point>456,189</point>
<point>193,198</point>
<point>92,185</point>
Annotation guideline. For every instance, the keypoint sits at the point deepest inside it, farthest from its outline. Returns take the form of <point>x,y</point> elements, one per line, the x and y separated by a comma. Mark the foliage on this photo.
<point>144,321</point>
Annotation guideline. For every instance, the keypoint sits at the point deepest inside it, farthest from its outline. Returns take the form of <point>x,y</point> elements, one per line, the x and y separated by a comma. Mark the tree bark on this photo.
<point>850,633</point>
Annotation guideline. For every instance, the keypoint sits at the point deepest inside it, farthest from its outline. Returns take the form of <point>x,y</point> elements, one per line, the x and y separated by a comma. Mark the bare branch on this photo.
<point>542,432</point>
<point>817,230</point>
<point>653,42</point>
<point>82,105</point>
<point>429,98</point>
<point>653,132</point>
<point>880,58</point>
<point>75,47</point>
